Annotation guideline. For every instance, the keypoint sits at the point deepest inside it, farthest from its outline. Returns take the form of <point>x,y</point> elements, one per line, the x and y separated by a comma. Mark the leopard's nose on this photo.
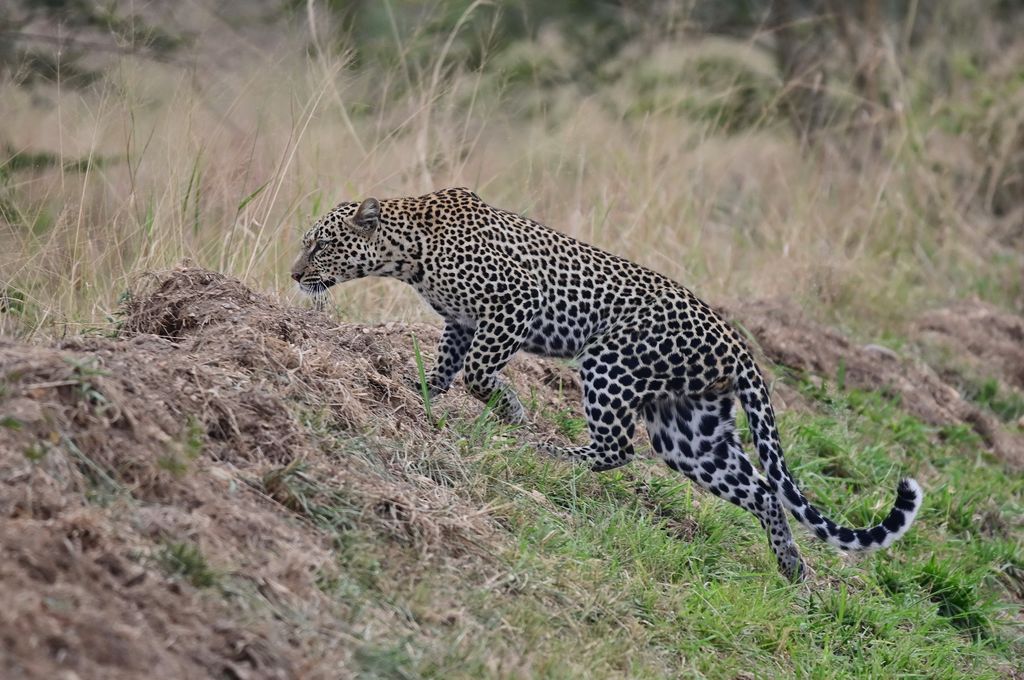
<point>297,276</point>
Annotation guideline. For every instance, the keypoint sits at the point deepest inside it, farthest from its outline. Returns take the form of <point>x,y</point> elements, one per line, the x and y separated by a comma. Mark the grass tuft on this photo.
<point>187,561</point>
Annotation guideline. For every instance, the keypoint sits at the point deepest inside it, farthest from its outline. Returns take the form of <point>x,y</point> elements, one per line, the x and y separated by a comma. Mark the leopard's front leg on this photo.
<point>503,314</point>
<point>495,342</point>
<point>451,355</point>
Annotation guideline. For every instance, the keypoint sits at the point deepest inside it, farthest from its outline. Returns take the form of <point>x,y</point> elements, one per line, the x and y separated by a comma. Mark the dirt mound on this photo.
<point>987,341</point>
<point>94,433</point>
<point>787,337</point>
<point>182,449</point>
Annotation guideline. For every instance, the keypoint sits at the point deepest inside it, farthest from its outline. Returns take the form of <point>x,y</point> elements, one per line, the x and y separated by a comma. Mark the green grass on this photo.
<point>1005,403</point>
<point>187,561</point>
<point>635,573</point>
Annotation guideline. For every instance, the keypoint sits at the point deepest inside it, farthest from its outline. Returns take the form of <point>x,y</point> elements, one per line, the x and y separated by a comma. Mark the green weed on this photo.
<point>334,510</point>
<point>424,385</point>
<point>10,422</point>
<point>186,560</point>
<point>569,424</point>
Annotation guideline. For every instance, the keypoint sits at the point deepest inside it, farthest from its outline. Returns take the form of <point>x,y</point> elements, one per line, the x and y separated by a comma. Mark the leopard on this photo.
<point>646,348</point>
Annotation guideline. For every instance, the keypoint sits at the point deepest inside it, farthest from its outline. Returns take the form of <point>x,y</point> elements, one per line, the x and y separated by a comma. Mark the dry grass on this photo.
<point>228,164</point>
<point>178,459</point>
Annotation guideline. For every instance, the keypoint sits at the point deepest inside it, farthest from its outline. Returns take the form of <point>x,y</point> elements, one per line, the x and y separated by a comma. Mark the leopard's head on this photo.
<point>338,248</point>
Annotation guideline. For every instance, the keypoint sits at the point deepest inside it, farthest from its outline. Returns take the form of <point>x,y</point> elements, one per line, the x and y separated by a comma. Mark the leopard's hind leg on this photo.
<point>697,437</point>
<point>610,421</point>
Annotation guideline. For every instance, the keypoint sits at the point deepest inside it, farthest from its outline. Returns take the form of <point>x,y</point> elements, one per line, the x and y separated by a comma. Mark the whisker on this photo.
<point>319,295</point>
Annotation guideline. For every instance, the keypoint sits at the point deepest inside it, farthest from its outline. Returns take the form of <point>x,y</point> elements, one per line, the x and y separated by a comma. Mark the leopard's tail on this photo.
<point>753,395</point>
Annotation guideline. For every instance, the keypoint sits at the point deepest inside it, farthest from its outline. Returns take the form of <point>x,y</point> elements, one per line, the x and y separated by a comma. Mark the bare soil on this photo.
<point>122,459</point>
<point>985,341</point>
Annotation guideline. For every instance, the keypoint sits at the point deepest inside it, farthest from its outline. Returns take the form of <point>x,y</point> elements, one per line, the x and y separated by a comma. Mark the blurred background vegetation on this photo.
<point>864,157</point>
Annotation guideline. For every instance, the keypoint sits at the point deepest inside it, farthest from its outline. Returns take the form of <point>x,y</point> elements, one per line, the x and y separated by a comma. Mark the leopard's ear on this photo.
<point>367,217</point>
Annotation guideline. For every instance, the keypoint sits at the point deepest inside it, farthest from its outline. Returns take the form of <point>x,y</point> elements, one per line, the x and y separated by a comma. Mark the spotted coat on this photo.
<point>644,345</point>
